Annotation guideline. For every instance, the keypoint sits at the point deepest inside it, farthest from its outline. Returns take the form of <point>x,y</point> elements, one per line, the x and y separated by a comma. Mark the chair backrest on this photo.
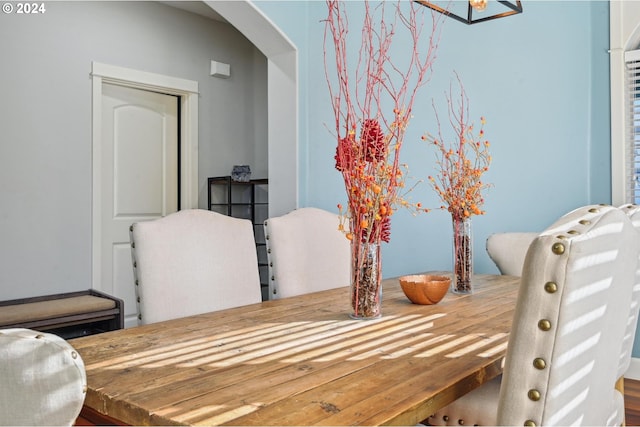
<point>570,319</point>
<point>507,250</point>
<point>306,253</point>
<point>633,212</point>
<point>191,262</point>
<point>42,379</point>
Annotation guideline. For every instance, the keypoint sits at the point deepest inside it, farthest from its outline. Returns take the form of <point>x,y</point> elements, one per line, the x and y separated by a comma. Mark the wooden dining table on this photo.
<point>303,360</point>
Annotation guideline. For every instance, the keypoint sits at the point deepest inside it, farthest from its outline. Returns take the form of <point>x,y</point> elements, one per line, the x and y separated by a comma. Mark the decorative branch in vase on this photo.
<point>458,182</point>
<point>368,140</point>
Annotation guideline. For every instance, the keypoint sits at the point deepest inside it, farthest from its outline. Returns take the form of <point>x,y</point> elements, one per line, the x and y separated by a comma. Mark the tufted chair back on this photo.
<point>191,262</point>
<point>572,311</point>
<point>42,379</point>
<point>306,253</point>
<point>507,250</point>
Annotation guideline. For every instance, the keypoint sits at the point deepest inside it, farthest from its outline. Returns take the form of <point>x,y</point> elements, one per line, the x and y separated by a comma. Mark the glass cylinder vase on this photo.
<point>366,281</point>
<point>462,256</point>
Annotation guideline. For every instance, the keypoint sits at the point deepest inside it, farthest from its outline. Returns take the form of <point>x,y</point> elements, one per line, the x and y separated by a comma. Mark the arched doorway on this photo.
<point>282,78</point>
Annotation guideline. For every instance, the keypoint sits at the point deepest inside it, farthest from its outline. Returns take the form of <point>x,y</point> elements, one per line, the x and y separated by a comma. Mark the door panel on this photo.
<point>136,132</point>
<point>139,177</point>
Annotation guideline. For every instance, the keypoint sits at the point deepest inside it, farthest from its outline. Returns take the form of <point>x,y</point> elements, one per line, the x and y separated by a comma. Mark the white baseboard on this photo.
<point>634,369</point>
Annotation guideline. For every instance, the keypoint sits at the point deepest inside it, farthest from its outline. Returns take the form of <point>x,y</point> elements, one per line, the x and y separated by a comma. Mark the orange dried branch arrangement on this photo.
<point>369,141</point>
<point>461,163</point>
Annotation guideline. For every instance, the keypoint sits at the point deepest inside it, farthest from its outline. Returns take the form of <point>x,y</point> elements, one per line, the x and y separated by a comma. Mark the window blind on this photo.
<point>632,131</point>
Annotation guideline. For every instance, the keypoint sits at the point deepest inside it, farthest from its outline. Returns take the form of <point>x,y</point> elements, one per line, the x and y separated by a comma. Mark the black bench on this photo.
<point>69,315</point>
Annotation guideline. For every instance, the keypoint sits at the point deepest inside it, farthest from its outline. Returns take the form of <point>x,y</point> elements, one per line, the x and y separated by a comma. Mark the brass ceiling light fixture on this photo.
<point>475,10</point>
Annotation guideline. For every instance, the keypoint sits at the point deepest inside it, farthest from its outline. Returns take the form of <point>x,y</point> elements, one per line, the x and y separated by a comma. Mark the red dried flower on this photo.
<point>344,153</point>
<point>385,232</point>
<point>384,225</point>
<point>373,140</point>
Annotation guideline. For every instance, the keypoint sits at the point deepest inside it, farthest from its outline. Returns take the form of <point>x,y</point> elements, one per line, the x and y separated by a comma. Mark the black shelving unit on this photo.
<point>247,200</point>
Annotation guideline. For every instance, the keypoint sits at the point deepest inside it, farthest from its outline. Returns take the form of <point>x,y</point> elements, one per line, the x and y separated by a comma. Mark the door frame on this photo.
<point>187,90</point>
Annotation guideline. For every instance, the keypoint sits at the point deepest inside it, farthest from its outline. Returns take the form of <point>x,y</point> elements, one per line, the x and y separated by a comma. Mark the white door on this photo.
<point>139,178</point>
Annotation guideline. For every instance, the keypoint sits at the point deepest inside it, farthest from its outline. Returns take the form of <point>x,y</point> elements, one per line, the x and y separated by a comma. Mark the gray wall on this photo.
<point>45,122</point>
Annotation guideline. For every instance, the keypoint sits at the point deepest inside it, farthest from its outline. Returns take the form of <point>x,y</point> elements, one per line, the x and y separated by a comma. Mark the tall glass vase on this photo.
<point>462,256</point>
<point>366,280</point>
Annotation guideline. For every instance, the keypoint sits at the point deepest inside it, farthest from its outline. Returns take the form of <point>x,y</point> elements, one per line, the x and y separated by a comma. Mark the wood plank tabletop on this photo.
<point>303,361</point>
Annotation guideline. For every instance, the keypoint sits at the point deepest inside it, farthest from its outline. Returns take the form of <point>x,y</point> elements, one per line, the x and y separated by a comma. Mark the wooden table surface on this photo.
<point>303,361</point>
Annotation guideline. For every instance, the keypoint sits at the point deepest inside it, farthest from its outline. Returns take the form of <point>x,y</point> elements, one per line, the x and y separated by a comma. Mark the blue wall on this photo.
<point>540,78</point>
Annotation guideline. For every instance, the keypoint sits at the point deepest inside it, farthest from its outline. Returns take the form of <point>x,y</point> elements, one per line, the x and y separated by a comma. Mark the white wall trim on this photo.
<point>188,92</point>
<point>616,66</point>
<point>143,79</point>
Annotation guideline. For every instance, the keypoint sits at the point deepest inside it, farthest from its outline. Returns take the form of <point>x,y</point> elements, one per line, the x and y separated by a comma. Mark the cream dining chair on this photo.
<point>633,212</point>
<point>191,262</point>
<point>572,310</point>
<point>42,379</point>
<point>306,252</point>
<point>507,250</point>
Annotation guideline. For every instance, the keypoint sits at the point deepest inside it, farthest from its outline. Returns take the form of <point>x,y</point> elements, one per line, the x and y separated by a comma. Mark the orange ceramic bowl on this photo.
<point>425,289</point>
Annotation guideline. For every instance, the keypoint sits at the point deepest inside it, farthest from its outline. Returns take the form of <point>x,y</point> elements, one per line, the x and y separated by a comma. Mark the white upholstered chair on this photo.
<point>306,252</point>
<point>572,311</point>
<point>42,379</point>
<point>633,212</point>
<point>191,262</point>
<point>507,250</point>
